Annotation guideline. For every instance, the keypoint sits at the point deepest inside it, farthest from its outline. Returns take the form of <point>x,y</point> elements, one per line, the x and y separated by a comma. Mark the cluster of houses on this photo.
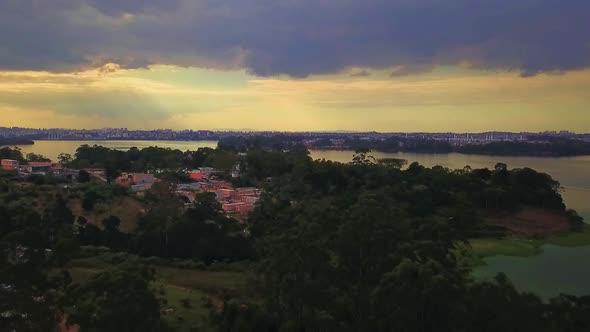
<point>238,200</point>
<point>32,167</point>
<point>233,200</point>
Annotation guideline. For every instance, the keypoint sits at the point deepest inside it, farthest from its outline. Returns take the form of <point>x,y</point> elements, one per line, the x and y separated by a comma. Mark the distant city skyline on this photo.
<point>159,133</point>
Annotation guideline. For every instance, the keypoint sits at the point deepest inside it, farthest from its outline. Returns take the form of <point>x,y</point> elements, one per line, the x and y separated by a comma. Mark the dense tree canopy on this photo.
<point>370,245</point>
<point>118,300</point>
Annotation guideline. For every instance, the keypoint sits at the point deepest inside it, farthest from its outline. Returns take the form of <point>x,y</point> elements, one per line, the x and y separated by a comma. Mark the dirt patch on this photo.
<point>533,222</point>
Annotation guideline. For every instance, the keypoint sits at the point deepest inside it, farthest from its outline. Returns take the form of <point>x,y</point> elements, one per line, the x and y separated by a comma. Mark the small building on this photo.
<point>196,175</point>
<point>218,184</point>
<point>57,168</point>
<point>247,191</point>
<point>225,193</point>
<point>238,207</point>
<point>39,167</point>
<point>125,180</point>
<point>132,179</point>
<point>9,165</point>
<point>141,187</point>
<point>143,178</point>
<point>248,199</point>
<point>189,186</point>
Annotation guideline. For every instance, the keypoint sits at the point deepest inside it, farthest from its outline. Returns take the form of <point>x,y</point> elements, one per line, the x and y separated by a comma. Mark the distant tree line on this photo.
<point>542,146</point>
<point>140,160</point>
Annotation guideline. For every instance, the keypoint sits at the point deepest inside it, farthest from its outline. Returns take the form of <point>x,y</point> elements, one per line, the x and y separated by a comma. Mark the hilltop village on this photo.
<point>236,201</point>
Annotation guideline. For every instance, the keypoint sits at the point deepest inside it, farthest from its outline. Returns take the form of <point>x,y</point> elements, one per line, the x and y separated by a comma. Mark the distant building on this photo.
<point>248,199</point>
<point>142,178</point>
<point>247,191</point>
<point>39,167</point>
<point>9,165</point>
<point>238,207</point>
<point>218,184</point>
<point>225,193</point>
<point>141,187</point>
<point>196,175</point>
<point>137,180</point>
<point>188,186</point>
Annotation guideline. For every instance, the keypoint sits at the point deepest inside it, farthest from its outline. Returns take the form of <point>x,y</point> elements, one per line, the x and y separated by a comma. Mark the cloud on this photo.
<point>409,69</point>
<point>360,73</point>
<point>108,68</point>
<point>296,37</point>
<point>121,7</point>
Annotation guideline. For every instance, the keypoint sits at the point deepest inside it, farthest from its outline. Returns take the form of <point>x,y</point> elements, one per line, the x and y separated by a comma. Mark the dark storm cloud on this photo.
<point>118,7</point>
<point>360,73</point>
<point>297,37</point>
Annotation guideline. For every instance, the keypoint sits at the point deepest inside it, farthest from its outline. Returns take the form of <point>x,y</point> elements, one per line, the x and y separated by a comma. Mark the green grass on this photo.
<point>235,284</point>
<point>507,247</point>
<point>186,309</point>
<point>523,247</point>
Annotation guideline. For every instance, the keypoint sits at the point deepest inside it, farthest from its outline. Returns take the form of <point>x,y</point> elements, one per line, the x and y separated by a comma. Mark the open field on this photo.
<point>128,209</point>
<point>189,293</point>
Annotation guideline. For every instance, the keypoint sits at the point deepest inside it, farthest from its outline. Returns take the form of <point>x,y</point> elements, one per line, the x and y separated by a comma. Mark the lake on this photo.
<point>556,270</point>
<point>52,149</point>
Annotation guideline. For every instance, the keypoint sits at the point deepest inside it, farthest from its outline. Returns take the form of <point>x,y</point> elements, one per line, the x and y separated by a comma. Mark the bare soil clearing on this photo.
<point>533,222</point>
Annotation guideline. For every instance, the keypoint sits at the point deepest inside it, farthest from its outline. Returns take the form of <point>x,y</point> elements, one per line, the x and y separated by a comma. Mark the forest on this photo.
<point>370,245</point>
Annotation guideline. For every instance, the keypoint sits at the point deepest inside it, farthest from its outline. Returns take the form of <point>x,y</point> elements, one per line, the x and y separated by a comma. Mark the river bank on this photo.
<point>523,247</point>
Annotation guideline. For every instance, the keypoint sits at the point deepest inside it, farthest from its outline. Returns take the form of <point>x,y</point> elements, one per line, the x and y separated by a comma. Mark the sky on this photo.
<point>296,65</point>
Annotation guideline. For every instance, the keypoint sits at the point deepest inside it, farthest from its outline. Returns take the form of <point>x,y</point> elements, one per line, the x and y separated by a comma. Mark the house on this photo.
<point>247,191</point>
<point>39,167</point>
<point>57,168</point>
<point>225,193</point>
<point>248,199</point>
<point>142,180</point>
<point>188,186</point>
<point>196,175</point>
<point>9,165</point>
<point>125,180</point>
<point>141,187</point>
<point>238,207</point>
<point>217,184</point>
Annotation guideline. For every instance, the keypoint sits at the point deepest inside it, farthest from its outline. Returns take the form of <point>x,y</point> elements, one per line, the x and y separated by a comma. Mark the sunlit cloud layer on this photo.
<point>165,96</point>
<point>386,65</point>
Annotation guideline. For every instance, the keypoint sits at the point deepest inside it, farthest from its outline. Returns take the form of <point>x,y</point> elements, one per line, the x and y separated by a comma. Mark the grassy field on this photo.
<point>127,209</point>
<point>186,309</point>
<point>189,293</point>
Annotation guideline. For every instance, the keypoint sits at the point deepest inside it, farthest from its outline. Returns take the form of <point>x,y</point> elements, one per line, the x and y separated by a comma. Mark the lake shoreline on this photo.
<point>525,247</point>
<point>339,149</point>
